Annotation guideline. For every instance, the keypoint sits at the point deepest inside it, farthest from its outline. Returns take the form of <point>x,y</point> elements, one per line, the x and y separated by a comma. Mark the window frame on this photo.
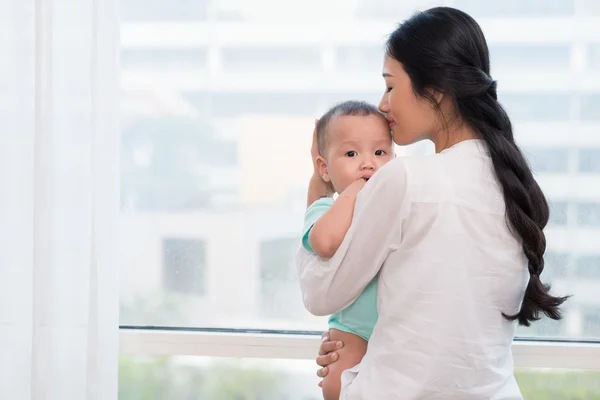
<point>142,341</point>
<point>535,353</point>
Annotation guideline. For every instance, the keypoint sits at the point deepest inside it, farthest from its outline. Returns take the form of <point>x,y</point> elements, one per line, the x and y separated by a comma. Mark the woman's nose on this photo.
<point>383,105</point>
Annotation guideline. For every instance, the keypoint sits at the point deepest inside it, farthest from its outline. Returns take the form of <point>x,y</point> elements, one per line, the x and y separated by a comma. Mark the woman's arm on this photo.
<point>330,285</point>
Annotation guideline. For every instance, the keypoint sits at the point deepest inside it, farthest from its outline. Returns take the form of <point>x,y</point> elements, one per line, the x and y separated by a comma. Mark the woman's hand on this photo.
<point>327,354</point>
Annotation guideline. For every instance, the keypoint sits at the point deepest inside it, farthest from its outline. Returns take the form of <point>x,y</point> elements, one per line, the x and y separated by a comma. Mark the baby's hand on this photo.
<point>355,187</point>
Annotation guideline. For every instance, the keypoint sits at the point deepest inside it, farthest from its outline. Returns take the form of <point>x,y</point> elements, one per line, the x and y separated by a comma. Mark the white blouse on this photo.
<point>435,229</point>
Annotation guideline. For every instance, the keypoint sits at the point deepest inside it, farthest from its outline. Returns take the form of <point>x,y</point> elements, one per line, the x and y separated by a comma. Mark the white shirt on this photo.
<point>435,228</point>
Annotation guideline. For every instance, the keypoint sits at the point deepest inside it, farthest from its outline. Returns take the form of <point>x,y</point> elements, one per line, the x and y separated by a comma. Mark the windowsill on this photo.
<point>527,352</point>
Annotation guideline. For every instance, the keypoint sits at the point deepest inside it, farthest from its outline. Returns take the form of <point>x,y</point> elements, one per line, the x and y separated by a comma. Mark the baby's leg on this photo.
<point>351,354</point>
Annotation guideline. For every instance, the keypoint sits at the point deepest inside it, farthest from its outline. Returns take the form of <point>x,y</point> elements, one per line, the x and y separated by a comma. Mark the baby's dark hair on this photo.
<point>355,108</point>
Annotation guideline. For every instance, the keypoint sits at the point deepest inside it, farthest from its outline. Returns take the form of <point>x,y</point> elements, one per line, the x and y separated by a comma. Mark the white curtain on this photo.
<point>58,199</point>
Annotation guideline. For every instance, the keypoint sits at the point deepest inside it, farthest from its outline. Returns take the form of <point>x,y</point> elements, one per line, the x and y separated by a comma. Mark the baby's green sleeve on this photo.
<point>313,213</point>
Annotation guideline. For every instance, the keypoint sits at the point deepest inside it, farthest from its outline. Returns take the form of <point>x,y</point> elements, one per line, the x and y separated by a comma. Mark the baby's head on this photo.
<point>354,141</point>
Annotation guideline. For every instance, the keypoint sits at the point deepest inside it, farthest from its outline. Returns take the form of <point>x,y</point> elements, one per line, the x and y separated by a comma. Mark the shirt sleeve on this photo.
<point>313,213</point>
<point>330,285</point>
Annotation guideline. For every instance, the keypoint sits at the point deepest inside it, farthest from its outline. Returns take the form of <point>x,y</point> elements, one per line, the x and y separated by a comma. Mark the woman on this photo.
<point>456,237</point>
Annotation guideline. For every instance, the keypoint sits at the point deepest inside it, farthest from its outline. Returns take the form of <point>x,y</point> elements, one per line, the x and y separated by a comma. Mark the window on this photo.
<point>216,378</point>
<point>167,162</point>
<point>382,10</point>
<point>590,107</point>
<point>373,98</point>
<point>587,267</point>
<point>548,159</point>
<point>279,291</point>
<point>239,104</point>
<point>517,8</point>
<point>591,322</point>
<point>594,56</point>
<point>271,59</point>
<point>163,10</point>
<point>589,160</point>
<point>184,265</point>
<point>530,56</point>
<point>359,58</point>
<point>537,107</point>
<point>214,173</point>
<point>164,58</point>
<point>556,266</point>
<point>557,384</point>
<point>591,7</point>
<point>589,214</point>
<point>558,212</point>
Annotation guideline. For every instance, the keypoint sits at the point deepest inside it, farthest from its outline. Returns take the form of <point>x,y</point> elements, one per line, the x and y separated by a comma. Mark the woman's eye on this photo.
<point>380,152</point>
<point>388,90</point>
<point>351,154</point>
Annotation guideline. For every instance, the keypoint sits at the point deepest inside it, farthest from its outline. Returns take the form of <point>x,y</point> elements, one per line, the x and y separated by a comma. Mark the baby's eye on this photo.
<point>380,152</point>
<point>351,153</point>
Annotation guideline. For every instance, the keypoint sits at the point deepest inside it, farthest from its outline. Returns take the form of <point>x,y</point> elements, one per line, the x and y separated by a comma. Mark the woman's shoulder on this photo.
<point>412,167</point>
<point>402,170</point>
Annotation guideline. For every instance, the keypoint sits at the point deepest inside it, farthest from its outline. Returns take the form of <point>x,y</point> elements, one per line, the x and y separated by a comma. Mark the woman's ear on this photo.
<point>437,95</point>
<point>322,167</point>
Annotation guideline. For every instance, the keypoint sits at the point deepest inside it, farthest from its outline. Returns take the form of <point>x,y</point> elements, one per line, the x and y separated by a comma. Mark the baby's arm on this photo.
<point>329,231</point>
<point>351,354</point>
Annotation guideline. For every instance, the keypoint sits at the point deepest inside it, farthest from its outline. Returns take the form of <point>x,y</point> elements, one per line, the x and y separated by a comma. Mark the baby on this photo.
<point>354,141</point>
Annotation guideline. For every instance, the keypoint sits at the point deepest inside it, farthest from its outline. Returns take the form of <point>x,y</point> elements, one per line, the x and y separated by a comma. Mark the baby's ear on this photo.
<point>323,170</point>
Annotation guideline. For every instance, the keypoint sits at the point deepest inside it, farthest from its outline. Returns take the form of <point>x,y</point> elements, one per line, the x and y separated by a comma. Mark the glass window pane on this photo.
<point>591,315</point>
<point>589,160</point>
<point>548,159</point>
<point>191,378</point>
<point>214,141</point>
<point>590,107</point>
<point>536,107</point>
<point>589,214</point>
<point>590,7</point>
<point>556,265</point>
<point>529,56</point>
<point>183,266</point>
<point>594,54</point>
<point>334,98</point>
<point>556,384</point>
<point>517,8</point>
<point>382,9</point>
<point>359,58</point>
<point>558,213</point>
<point>267,104</point>
<point>163,10</point>
<point>161,58</point>
<point>279,291</point>
<point>276,59</point>
<point>587,267</point>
